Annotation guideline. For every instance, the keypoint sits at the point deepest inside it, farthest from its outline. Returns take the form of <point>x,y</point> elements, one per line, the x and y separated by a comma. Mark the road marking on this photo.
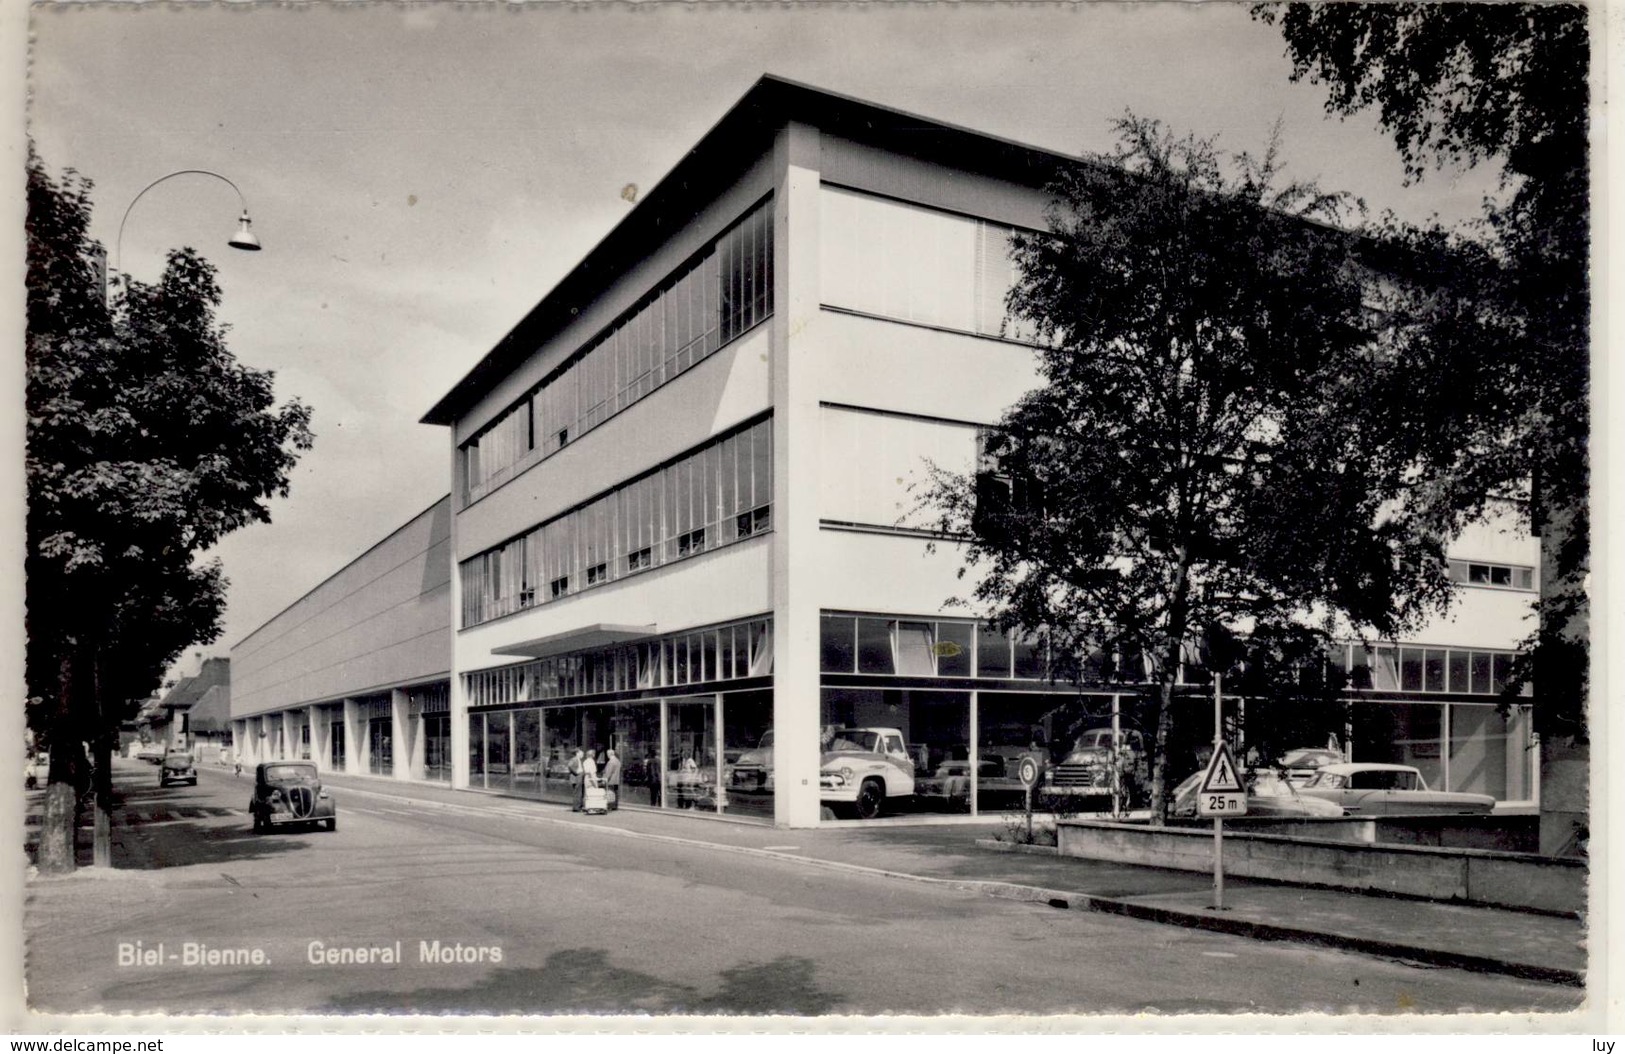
<point>781,848</point>
<point>1220,955</point>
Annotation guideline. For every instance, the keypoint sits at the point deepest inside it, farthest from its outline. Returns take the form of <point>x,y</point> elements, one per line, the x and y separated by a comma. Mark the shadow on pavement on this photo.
<point>584,981</point>
<point>187,844</point>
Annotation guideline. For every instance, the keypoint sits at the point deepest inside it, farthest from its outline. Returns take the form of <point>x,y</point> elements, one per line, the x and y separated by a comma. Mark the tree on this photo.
<point>1505,396</point>
<point>146,443</point>
<point>1195,464</point>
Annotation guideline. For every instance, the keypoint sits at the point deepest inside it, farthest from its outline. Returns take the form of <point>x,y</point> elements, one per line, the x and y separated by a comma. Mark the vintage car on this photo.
<point>753,770</point>
<point>864,768</point>
<point>1299,766</point>
<point>178,766</point>
<point>290,792</point>
<point>1267,796</point>
<point>36,770</point>
<point>1375,789</point>
<point>153,752</point>
<point>1087,767</point>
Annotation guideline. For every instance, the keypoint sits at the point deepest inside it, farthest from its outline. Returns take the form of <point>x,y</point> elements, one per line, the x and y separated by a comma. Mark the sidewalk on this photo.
<point>1531,946</point>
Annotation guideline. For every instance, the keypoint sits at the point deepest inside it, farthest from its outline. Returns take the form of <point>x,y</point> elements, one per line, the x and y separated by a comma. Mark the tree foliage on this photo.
<point>1196,465</point>
<point>146,443</point>
<point>1500,355</point>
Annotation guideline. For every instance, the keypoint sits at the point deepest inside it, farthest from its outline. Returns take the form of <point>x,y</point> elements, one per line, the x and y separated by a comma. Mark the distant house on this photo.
<point>209,721</point>
<point>170,721</point>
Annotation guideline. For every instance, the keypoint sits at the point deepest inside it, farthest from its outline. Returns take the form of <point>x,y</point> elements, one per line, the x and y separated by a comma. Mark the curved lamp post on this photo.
<point>244,239</point>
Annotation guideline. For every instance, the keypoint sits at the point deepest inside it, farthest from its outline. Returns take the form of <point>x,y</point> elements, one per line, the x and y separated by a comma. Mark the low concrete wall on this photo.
<point>1507,834</point>
<point>1516,880</point>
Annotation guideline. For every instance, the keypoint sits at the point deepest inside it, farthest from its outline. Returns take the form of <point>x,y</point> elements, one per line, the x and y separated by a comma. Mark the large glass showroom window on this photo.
<point>893,743</point>
<point>716,755</point>
<point>1456,746</point>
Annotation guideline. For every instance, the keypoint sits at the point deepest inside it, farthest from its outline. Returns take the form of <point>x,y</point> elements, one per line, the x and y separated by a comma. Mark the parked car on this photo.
<point>1087,767</point>
<point>153,752</point>
<point>1299,766</point>
<point>177,767</point>
<point>864,768</point>
<point>37,770</point>
<point>1374,789</point>
<point>1266,796</point>
<point>753,770</point>
<point>287,792</point>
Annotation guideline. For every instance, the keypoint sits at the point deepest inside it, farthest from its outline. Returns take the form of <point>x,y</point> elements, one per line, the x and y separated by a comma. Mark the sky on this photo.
<point>421,174</point>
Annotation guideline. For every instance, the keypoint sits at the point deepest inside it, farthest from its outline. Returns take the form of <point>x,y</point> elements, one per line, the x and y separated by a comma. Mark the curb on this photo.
<point>1065,899</point>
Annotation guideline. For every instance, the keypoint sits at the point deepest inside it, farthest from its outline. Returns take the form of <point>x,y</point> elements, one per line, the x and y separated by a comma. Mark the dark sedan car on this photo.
<point>288,792</point>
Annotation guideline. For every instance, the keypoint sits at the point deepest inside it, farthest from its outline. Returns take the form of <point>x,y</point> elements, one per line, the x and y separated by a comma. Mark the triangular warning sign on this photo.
<point>1222,777</point>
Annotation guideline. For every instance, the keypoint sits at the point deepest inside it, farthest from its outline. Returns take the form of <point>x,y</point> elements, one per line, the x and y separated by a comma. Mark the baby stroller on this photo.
<point>594,800</point>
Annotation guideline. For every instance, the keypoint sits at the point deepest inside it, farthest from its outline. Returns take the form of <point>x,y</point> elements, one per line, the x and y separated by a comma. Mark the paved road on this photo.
<point>591,923</point>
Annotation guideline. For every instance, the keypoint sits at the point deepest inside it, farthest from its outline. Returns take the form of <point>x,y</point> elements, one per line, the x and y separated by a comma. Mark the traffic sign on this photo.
<point>1222,792</point>
<point>1028,771</point>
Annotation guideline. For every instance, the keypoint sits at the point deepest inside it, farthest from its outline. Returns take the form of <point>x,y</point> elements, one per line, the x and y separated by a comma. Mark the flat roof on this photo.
<point>744,133</point>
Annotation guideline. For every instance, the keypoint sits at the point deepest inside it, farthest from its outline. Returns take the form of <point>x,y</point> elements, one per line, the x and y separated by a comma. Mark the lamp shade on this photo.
<point>245,238</point>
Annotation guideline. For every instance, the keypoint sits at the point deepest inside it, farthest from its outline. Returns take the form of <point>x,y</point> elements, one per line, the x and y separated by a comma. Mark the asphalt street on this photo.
<point>592,924</point>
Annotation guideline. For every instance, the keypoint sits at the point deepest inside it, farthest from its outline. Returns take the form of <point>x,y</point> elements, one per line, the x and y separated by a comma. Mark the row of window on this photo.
<point>715,496</point>
<point>715,298</point>
<point>921,648</point>
<point>1502,576</point>
<point>901,261</point>
<point>721,653</point>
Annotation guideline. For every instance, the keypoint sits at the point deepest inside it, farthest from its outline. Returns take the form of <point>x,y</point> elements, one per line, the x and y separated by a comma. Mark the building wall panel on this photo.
<point>383,619</point>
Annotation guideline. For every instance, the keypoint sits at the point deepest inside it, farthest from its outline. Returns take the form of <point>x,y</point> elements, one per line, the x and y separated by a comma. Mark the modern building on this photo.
<point>354,674</point>
<point>679,515</point>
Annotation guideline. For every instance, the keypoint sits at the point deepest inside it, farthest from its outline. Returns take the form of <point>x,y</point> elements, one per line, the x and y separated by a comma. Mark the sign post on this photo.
<point>1028,770</point>
<point>1222,793</point>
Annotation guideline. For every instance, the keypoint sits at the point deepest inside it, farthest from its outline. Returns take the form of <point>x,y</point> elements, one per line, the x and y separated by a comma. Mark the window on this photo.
<point>1496,576</point>
<point>716,297</point>
<point>713,496</point>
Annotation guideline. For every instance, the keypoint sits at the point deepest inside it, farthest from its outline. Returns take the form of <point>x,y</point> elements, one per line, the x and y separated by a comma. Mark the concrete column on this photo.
<point>795,477</point>
<point>354,738</point>
<point>319,752</point>
<point>417,764</point>
<point>290,733</point>
<point>402,734</point>
<point>459,716</point>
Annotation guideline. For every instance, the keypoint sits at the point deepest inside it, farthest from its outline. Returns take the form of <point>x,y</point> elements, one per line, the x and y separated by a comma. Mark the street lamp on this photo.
<point>245,238</point>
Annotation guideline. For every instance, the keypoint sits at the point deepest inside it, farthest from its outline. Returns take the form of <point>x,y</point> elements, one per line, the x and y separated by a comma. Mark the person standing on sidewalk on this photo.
<point>612,779</point>
<point>578,786</point>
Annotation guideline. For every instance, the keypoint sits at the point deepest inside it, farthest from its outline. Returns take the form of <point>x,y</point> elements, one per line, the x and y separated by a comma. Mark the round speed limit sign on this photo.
<point>1028,771</point>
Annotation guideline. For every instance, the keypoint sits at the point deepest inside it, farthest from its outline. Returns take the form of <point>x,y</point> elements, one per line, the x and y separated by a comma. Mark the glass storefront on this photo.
<point>380,746</point>
<point>437,747</point>
<point>1488,752</point>
<point>335,743</point>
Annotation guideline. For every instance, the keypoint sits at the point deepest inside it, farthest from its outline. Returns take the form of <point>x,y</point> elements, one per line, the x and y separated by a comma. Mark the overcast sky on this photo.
<point>421,175</point>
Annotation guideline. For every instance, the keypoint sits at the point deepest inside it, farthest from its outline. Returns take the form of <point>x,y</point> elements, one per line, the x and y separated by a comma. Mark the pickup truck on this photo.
<point>864,769</point>
<point>1087,768</point>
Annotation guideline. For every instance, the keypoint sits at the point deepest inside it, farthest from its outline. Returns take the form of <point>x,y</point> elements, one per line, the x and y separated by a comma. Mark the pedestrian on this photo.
<point>577,786</point>
<point>651,772</point>
<point>612,778</point>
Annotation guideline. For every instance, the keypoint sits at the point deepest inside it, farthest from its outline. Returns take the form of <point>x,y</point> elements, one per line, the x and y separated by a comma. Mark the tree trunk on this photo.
<point>1562,655</point>
<point>56,838</point>
<point>102,772</point>
<point>102,855</point>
